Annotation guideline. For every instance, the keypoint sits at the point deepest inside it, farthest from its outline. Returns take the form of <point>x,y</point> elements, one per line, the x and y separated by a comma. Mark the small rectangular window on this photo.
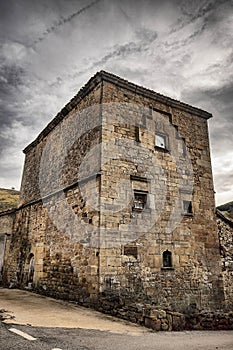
<point>160,140</point>
<point>131,250</point>
<point>140,199</point>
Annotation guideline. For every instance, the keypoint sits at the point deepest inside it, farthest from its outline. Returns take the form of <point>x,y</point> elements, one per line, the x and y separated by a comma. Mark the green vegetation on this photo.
<point>8,199</point>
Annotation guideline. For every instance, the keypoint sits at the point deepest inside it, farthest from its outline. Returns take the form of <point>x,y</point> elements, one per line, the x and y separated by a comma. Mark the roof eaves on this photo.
<point>90,85</point>
<point>223,217</point>
<point>154,95</point>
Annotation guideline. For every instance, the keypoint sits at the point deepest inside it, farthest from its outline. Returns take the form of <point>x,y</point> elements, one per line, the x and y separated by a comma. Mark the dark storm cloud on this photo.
<point>121,51</point>
<point>220,104</point>
<point>63,21</point>
<point>211,13</point>
<point>11,77</point>
<point>193,10</point>
<point>10,80</point>
<point>144,37</point>
<point>222,95</point>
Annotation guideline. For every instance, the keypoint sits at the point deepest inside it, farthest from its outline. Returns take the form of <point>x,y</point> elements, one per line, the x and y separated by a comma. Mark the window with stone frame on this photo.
<point>167,259</point>
<point>140,200</point>
<point>187,207</point>
<point>161,140</point>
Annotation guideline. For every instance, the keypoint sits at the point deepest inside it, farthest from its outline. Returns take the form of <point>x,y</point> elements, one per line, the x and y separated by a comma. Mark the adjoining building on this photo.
<point>225,231</point>
<point>8,203</point>
<point>117,206</point>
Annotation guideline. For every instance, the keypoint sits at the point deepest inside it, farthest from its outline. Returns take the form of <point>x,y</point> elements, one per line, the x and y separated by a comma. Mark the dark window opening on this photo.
<point>131,250</point>
<point>137,135</point>
<point>167,259</point>
<point>31,268</point>
<point>140,200</point>
<point>150,110</point>
<point>187,207</point>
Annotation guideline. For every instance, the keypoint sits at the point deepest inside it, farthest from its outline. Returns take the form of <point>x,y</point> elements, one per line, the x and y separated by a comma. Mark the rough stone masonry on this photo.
<point>117,210</point>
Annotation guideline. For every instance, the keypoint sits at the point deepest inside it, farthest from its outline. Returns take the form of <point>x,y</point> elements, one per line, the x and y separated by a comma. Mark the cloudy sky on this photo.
<point>50,48</point>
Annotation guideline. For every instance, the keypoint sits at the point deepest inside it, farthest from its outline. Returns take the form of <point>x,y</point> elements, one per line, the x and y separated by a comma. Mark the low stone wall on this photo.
<point>161,320</point>
<point>167,320</point>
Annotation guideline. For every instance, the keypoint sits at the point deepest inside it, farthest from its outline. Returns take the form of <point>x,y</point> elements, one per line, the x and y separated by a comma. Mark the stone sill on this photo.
<point>188,214</point>
<point>139,211</point>
<point>161,149</point>
<point>168,268</point>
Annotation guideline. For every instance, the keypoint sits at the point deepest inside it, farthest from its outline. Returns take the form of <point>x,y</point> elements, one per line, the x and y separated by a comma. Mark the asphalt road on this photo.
<point>50,324</point>
<point>83,339</point>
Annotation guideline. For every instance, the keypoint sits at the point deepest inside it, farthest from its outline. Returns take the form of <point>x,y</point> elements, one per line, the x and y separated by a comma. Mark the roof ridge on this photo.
<point>167,98</point>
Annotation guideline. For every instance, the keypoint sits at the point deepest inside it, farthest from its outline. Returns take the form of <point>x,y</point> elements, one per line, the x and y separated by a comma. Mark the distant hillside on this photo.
<point>227,210</point>
<point>8,199</point>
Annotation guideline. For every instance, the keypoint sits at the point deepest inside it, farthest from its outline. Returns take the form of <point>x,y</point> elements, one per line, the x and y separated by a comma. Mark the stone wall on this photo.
<point>52,161</point>
<point>225,227</point>
<point>160,319</point>
<point>6,222</point>
<point>55,233</point>
<point>132,162</point>
<point>65,265</point>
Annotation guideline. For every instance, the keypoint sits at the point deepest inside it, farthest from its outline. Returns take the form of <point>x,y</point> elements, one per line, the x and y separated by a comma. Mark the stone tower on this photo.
<point>117,203</point>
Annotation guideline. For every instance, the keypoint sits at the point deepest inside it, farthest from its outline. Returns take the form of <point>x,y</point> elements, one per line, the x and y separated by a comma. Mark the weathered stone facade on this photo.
<point>6,223</point>
<point>117,205</point>
<point>225,229</point>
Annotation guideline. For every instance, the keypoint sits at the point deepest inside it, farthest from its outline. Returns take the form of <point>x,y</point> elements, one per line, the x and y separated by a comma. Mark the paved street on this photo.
<point>67,327</point>
<point>36,310</point>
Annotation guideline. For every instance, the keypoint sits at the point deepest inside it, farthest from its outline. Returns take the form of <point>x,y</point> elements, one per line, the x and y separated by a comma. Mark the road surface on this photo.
<point>48,324</point>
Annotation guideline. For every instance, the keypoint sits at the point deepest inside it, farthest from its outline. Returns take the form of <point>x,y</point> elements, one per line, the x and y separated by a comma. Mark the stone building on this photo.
<point>225,229</point>
<point>117,205</point>
<point>8,201</point>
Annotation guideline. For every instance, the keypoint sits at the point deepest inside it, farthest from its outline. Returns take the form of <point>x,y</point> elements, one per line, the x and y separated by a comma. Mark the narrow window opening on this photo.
<point>137,135</point>
<point>167,259</point>
<point>187,207</point>
<point>150,110</point>
<point>31,268</point>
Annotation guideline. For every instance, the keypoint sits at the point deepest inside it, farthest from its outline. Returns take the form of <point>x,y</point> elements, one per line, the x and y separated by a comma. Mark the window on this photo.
<point>187,207</point>
<point>160,140</point>
<point>167,259</point>
<point>137,134</point>
<point>31,268</point>
<point>131,250</point>
<point>140,199</point>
